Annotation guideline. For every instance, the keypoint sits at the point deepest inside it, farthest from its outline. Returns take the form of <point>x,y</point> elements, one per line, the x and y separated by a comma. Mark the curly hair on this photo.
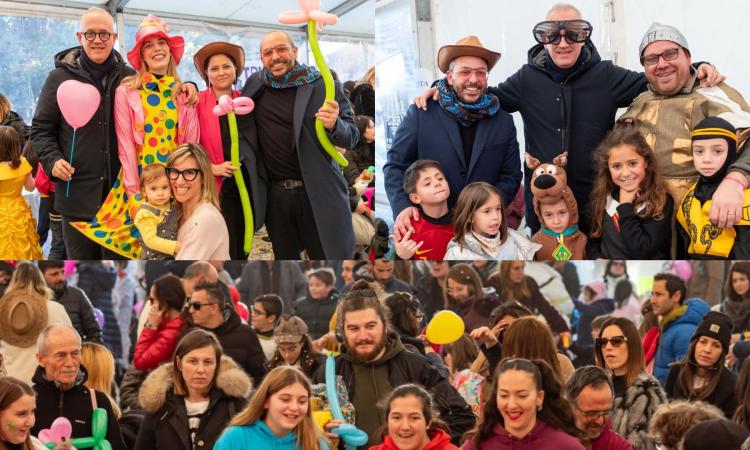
<point>672,420</point>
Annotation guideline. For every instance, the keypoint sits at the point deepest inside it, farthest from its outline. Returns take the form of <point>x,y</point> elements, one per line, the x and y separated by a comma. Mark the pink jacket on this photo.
<point>210,136</point>
<point>129,125</point>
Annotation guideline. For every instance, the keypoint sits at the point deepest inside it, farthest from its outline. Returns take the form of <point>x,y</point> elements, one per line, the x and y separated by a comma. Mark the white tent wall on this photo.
<point>712,30</point>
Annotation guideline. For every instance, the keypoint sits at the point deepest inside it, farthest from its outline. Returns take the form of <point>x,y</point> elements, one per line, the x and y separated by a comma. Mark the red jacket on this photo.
<point>440,441</point>
<point>609,440</point>
<point>156,346</point>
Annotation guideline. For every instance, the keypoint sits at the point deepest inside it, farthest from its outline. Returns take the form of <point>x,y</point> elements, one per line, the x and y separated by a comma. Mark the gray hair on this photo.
<point>586,376</point>
<point>563,7</point>
<point>94,10</point>
<point>197,269</point>
<point>42,340</point>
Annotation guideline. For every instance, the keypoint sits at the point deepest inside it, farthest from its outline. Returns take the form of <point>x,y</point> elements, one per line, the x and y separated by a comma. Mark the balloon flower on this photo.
<point>241,106</point>
<point>61,429</point>
<point>351,435</point>
<point>310,13</point>
<point>78,102</point>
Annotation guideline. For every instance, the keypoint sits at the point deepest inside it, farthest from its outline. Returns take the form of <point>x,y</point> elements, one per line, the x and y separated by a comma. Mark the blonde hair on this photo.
<point>29,279</point>
<point>5,107</point>
<point>307,431</point>
<point>100,365</point>
<point>196,151</point>
<point>369,77</point>
<point>151,173</point>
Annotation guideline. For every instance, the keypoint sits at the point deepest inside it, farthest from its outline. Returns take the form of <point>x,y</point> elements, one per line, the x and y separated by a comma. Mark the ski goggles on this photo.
<point>575,31</point>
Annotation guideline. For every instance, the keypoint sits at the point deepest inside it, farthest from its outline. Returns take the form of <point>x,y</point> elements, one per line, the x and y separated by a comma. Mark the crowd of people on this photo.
<point>592,187</point>
<point>150,175</point>
<point>235,355</point>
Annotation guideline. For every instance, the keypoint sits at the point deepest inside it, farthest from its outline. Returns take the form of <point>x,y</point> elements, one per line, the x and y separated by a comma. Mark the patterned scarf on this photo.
<point>466,113</point>
<point>490,244</point>
<point>300,75</point>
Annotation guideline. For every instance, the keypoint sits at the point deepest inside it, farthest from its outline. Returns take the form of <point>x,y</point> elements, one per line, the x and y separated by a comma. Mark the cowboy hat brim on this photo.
<point>448,53</point>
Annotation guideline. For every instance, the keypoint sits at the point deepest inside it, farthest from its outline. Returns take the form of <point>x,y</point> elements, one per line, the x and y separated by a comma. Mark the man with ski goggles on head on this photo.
<point>568,97</point>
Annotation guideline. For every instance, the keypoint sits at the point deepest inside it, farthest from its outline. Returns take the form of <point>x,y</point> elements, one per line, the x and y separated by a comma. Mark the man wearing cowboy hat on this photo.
<point>467,132</point>
<point>308,194</point>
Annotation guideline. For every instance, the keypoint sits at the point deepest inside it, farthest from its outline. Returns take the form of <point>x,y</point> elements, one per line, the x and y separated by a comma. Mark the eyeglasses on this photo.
<point>575,31</point>
<point>187,174</point>
<point>257,312</point>
<point>616,341</point>
<point>592,415</point>
<point>281,50</point>
<point>197,306</point>
<point>465,74</point>
<point>91,35</point>
<point>666,55</point>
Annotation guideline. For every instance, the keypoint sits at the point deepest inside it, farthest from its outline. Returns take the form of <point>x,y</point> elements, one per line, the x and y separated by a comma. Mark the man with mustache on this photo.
<point>466,131</point>
<point>74,300</point>
<point>674,98</point>
<point>374,362</point>
<point>590,392</point>
<point>58,382</point>
<point>307,194</point>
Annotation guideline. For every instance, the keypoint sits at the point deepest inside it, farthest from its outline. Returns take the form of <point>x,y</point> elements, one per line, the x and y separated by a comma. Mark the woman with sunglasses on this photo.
<point>701,375</point>
<point>203,233</point>
<point>159,336</point>
<point>637,394</point>
<point>151,118</point>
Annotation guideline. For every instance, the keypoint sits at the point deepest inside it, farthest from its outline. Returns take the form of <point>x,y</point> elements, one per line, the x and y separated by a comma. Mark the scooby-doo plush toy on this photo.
<point>557,210</point>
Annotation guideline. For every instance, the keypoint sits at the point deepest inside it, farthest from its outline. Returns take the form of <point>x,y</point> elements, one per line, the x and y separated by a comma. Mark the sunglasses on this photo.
<point>616,341</point>
<point>187,174</point>
<point>197,306</point>
<point>575,31</point>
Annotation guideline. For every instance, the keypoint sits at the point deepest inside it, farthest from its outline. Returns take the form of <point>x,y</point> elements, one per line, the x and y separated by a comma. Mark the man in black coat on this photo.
<point>382,273</point>
<point>76,303</point>
<point>58,382</point>
<point>306,188</point>
<point>95,161</point>
<point>374,362</point>
<point>211,308</point>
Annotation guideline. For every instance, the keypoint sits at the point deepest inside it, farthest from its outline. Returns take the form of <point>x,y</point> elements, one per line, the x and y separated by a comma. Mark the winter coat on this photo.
<point>97,281</point>
<point>609,440</point>
<point>13,120</point>
<point>20,362</point>
<point>95,154</point>
<point>440,440</point>
<point>75,404</point>
<point>130,385</point>
<point>285,279</point>
<point>632,411</point>
<point>81,313</point>
<point>324,184</point>
<point>258,435</point>
<point>407,367</point>
<point>572,115</point>
<point>395,285</point>
<point>723,397</point>
<point>675,334</point>
<point>430,295</point>
<point>166,424</point>
<point>241,343</point>
<point>516,246</point>
<point>590,311</point>
<point>317,313</point>
<point>476,312</point>
<point>157,346</point>
<point>540,437</point>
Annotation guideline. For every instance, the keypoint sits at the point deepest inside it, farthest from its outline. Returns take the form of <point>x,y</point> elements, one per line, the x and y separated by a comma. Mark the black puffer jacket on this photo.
<point>97,281</point>
<point>571,116</point>
<point>317,313</point>
<point>166,424</point>
<point>410,367</point>
<point>81,313</point>
<point>13,120</point>
<point>723,397</point>
<point>75,404</point>
<point>95,155</point>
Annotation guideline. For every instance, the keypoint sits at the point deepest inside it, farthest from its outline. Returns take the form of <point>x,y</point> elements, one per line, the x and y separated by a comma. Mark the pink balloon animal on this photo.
<point>310,10</point>
<point>240,106</point>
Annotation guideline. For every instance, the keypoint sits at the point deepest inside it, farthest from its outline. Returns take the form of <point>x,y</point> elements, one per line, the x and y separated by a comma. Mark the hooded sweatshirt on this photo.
<point>541,437</point>
<point>440,441</point>
<point>258,435</point>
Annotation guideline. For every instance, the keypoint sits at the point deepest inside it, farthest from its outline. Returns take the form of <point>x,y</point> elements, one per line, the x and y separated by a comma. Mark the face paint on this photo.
<point>10,426</point>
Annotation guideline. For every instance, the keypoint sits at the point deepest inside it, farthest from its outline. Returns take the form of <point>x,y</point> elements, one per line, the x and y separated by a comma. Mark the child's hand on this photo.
<point>402,223</point>
<point>406,248</point>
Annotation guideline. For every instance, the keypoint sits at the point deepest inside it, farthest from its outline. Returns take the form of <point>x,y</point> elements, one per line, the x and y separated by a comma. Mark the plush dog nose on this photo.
<point>544,181</point>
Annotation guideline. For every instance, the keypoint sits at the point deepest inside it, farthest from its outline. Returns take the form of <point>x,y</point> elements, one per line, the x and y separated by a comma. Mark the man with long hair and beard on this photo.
<point>374,362</point>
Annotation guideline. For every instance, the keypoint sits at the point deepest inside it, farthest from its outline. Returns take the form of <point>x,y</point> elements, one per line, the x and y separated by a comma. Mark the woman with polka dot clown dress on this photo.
<point>151,119</point>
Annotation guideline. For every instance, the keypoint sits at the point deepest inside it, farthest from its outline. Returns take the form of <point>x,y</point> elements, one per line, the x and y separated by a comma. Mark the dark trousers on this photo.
<point>78,246</point>
<point>231,210</point>
<point>42,225</point>
<point>291,224</point>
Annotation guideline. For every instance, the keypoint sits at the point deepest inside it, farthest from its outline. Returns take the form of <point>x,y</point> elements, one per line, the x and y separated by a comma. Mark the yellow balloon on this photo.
<point>322,417</point>
<point>446,327</point>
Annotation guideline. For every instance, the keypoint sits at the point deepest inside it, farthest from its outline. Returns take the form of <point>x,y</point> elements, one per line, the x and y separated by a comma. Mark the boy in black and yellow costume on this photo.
<point>714,150</point>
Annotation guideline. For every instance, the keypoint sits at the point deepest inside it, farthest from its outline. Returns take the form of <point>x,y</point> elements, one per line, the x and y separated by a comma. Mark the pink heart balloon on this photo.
<point>59,429</point>
<point>243,105</point>
<point>78,102</point>
<point>225,102</point>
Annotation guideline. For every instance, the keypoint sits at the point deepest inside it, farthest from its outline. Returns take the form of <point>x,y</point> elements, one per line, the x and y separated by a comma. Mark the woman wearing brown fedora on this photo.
<point>220,65</point>
<point>26,308</point>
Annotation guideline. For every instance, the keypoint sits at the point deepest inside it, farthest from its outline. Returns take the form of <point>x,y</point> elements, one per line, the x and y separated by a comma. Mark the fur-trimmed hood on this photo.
<point>232,381</point>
